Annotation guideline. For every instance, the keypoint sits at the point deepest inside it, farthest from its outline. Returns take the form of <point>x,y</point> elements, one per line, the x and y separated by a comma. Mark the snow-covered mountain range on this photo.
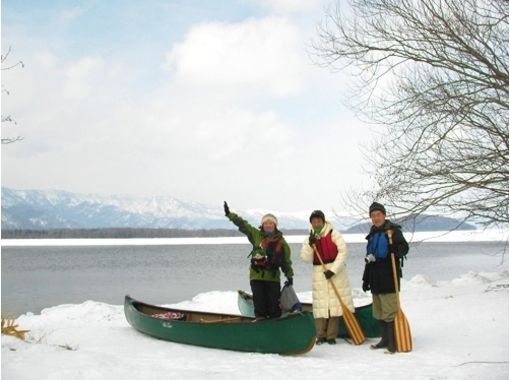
<point>55,209</point>
<point>38,209</point>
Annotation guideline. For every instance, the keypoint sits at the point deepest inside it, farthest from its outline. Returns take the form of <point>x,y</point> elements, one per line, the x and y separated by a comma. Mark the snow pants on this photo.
<point>266,298</point>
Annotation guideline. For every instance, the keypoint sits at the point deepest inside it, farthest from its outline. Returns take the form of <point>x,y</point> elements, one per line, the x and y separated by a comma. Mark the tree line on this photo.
<point>125,233</point>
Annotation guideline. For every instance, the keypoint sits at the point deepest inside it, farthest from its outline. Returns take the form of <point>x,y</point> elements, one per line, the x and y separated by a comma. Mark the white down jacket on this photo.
<point>325,302</point>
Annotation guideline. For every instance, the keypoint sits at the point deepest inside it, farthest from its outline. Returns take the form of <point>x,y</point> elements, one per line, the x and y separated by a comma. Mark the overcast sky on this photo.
<point>200,100</point>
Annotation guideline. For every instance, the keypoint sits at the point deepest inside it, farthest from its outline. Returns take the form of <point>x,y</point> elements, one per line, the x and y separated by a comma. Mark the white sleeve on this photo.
<point>306,252</point>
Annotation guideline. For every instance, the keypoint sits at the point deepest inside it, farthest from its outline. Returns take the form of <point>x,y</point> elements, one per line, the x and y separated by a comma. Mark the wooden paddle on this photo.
<point>403,339</point>
<point>228,319</point>
<point>351,323</point>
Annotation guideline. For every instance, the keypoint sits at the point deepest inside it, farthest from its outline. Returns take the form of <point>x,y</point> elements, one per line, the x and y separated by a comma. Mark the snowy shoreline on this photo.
<point>429,236</point>
<point>459,329</point>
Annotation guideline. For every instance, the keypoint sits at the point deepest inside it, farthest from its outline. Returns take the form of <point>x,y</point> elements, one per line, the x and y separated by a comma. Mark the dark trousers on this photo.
<point>266,298</point>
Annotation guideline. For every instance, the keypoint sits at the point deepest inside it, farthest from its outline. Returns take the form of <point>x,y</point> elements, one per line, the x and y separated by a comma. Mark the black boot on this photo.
<point>384,336</point>
<point>391,348</point>
<point>320,341</point>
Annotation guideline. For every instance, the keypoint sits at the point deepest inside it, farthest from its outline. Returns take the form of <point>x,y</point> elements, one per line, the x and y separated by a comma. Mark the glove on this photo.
<point>312,239</point>
<point>370,258</point>
<point>392,249</point>
<point>225,207</point>
<point>365,286</point>
<point>328,274</point>
<point>289,282</point>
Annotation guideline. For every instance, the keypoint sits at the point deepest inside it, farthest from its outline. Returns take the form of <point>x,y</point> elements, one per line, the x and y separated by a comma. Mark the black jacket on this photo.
<point>378,275</point>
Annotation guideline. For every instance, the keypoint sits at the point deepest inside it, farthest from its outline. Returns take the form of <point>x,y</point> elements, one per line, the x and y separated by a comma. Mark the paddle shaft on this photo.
<point>330,281</point>
<point>403,340</point>
<point>394,269</point>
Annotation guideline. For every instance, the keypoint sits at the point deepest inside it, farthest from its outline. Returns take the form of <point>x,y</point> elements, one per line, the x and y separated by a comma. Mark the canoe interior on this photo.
<point>158,312</point>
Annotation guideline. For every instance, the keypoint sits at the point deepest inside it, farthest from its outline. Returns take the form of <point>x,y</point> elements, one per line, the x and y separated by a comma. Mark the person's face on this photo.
<point>378,218</point>
<point>317,223</point>
<point>268,226</point>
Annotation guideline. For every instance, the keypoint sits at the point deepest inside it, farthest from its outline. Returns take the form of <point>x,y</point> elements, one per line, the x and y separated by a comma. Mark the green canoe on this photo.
<point>291,334</point>
<point>363,314</point>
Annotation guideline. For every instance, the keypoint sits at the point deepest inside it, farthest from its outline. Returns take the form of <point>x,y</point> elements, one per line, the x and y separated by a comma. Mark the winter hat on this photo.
<point>376,207</point>
<point>269,217</point>
<point>318,214</point>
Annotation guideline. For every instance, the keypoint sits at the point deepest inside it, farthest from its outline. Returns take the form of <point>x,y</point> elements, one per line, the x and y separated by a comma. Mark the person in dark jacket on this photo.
<point>269,254</point>
<point>378,273</point>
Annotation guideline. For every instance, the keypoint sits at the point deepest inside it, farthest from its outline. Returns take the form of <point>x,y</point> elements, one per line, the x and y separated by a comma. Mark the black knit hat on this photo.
<point>376,207</point>
<point>318,214</point>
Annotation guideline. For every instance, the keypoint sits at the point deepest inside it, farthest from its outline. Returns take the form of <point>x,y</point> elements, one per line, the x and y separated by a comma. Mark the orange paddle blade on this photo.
<point>403,339</point>
<point>352,326</point>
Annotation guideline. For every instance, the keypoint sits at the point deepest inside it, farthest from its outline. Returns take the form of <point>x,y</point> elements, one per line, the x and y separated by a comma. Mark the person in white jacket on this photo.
<point>333,251</point>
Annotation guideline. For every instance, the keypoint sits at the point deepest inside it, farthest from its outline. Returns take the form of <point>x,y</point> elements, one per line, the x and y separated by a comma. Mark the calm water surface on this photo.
<point>37,277</point>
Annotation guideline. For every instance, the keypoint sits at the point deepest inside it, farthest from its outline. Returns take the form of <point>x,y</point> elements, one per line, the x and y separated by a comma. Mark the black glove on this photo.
<point>392,249</point>
<point>225,207</point>
<point>329,274</point>
<point>365,286</point>
<point>312,239</point>
<point>289,282</point>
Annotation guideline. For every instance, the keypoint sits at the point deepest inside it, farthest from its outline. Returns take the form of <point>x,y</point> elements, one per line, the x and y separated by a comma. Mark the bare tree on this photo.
<point>434,74</point>
<point>8,119</point>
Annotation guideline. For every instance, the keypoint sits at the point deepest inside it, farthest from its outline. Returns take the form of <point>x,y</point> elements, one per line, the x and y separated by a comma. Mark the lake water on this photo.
<point>37,277</point>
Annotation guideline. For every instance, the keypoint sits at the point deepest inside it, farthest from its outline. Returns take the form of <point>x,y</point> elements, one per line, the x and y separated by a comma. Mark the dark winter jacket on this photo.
<point>378,275</point>
<point>256,237</point>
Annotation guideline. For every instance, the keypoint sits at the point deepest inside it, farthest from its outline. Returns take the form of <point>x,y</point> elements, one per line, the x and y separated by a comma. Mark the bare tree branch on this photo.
<point>435,74</point>
<point>8,119</point>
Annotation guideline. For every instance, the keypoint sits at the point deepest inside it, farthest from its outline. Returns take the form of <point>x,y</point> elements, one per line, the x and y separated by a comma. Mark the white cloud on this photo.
<point>262,55</point>
<point>84,76</point>
<point>239,114</point>
<point>45,59</point>
<point>81,137</point>
<point>68,15</point>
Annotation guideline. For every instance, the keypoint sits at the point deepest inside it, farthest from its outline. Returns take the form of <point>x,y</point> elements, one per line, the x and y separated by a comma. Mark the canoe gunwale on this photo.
<point>137,304</point>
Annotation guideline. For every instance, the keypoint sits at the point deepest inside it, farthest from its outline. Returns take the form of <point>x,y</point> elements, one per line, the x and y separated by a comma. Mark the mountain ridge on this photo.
<point>48,209</point>
<point>56,209</point>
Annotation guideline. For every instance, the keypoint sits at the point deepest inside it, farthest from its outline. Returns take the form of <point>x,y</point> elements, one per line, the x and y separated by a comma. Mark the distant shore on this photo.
<point>127,233</point>
<point>429,236</point>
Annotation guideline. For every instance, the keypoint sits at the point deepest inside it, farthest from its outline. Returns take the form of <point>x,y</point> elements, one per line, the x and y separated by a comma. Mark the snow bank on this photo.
<point>430,236</point>
<point>460,330</point>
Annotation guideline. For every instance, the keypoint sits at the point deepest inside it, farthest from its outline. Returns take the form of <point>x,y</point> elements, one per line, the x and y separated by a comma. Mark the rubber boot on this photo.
<point>320,341</point>
<point>391,348</point>
<point>383,343</point>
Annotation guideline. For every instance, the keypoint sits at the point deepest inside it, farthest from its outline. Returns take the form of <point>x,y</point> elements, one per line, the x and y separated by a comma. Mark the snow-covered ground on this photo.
<point>459,328</point>
<point>430,236</point>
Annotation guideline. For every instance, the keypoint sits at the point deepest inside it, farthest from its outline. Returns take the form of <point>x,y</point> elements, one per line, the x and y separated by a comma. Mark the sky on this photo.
<point>204,101</point>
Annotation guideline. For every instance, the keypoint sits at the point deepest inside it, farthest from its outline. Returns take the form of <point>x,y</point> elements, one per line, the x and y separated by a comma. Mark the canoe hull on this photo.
<point>293,334</point>
<point>363,314</point>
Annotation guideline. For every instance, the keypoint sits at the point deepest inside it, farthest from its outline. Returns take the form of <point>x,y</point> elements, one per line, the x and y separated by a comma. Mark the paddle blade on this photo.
<point>352,325</point>
<point>403,339</point>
